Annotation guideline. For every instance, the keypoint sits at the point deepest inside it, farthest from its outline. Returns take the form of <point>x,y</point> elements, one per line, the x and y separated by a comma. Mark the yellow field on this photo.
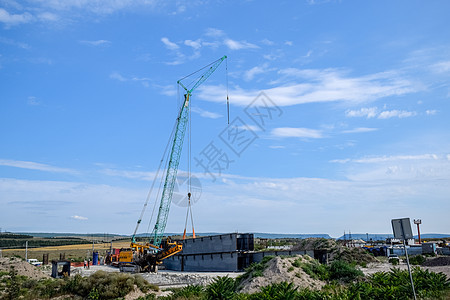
<point>77,252</point>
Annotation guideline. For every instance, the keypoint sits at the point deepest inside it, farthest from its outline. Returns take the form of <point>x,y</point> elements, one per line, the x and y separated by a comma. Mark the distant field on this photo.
<point>75,252</point>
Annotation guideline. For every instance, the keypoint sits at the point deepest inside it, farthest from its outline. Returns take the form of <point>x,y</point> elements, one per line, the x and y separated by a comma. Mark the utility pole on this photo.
<point>418,222</point>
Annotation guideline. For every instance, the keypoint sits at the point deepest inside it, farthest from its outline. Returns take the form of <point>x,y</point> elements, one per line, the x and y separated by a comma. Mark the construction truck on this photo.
<point>147,257</point>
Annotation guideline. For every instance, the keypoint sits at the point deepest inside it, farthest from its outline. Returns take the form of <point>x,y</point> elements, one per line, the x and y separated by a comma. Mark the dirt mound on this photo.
<point>22,267</point>
<point>315,244</point>
<point>350,255</point>
<point>438,261</point>
<point>336,251</point>
<point>280,269</point>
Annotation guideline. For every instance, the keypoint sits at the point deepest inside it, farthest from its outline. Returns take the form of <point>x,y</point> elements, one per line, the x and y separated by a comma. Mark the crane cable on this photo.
<point>189,180</point>
<point>228,100</point>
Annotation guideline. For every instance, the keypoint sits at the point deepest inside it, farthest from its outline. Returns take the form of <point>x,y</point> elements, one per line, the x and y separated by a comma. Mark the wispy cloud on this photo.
<point>11,19</point>
<point>79,218</point>
<point>380,159</point>
<point>250,74</point>
<point>368,112</point>
<point>33,101</point>
<point>396,113</point>
<point>360,130</point>
<point>441,67</point>
<point>214,32</point>
<point>14,43</point>
<point>143,80</point>
<point>117,76</point>
<point>197,44</point>
<point>96,6</point>
<point>205,113</point>
<point>169,45</point>
<point>296,132</point>
<point>296,86</point>
<point>34,166</point>
<point>372,112</point>
<point>96,43</point>
<point>238,45</point>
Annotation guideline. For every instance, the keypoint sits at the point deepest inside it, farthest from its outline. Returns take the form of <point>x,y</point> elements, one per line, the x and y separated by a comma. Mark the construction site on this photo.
<point>186,260</point>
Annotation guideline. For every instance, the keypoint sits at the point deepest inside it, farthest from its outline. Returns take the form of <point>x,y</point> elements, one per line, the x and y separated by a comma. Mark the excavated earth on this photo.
<point>22,267</point>
<point>280,269</point>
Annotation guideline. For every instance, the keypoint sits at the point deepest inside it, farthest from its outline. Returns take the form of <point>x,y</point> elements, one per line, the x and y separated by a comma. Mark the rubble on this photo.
<point>22,267</point>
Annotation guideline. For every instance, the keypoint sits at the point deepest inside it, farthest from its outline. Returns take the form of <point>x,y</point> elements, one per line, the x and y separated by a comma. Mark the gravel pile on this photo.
<point>282,269</point>
<point>22,267</point>
<point>177,279</point>
<point>438,261</point>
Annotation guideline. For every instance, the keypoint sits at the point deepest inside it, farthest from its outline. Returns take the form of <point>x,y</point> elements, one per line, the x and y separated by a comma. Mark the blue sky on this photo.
<point>354,96</point>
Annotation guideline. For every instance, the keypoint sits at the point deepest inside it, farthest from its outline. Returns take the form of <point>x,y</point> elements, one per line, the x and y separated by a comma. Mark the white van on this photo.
<point>34,262</point>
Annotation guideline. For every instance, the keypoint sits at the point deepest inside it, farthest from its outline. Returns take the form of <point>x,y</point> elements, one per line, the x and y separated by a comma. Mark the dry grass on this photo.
<point>70,251</point>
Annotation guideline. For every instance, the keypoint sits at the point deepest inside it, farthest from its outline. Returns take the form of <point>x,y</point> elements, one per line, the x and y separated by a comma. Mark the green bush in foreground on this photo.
<point>100,285</point>
<point>417,259</point>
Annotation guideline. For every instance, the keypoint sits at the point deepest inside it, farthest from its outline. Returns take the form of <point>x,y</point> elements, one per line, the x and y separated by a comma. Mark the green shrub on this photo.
<point>255,269</point>
<point>396,285</point>
<point>343,271</point>
<point>316,270</point>
<point>417,259</point>
<point>221,288</point>
<point>279,291</point>
<point>297,263</point>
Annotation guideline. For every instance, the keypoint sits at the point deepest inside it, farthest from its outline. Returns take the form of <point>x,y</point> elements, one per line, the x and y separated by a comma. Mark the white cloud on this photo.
<point>267,42</point>
<point>48,17</point>
<point>360,130</point>
<point>117,76</point>
<point>14,43</point>
<point>372,112</point>
<point>236,45</point>
<point>297,132</point>
<point>194,44</point>
<point>319,85</point>
<point>441,67</point>
<point>96,43</point>
<point>95,6</point>
<point>248,127</point>
<point>34,166</point>
<point>33,101</point>
<point>14,19</point>
<point>396,113</point>
<point>205,113</point>
<point>170,45</point>
<point>250,74</point>
<point>392,158</point>
<point>368,112</point>
<point>79,218</point>
<point>214,32</point>
<point>289,43</point>
<point>431,112</point>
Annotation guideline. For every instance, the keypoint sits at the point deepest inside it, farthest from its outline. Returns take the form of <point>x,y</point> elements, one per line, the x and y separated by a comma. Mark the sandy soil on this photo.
<point>281,269</point>
<point>22,267</point>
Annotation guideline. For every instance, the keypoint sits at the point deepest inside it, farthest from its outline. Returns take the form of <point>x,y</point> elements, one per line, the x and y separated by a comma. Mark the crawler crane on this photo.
<point>146,257</point>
